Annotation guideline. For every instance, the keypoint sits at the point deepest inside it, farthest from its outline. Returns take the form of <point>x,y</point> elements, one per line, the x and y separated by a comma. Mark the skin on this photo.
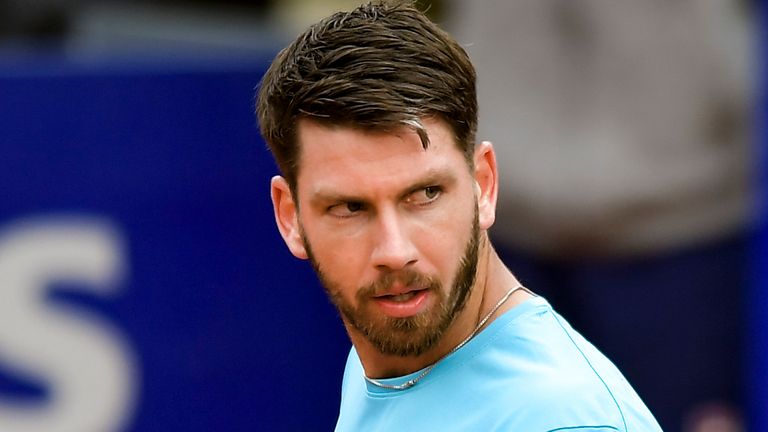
<point>377,206</point>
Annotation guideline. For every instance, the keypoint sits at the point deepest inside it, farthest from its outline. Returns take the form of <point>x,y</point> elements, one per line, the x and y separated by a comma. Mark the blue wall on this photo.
<point>228,331</point>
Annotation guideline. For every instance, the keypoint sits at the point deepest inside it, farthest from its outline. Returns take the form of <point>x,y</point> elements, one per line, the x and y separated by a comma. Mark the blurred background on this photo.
<point>144,287</point>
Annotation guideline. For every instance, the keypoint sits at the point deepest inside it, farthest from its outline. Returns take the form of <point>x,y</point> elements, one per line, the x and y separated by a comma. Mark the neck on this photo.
<point>492,281</point>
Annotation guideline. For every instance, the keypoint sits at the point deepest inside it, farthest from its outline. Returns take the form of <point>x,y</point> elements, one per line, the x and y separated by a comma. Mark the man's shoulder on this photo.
<point>544,368</point>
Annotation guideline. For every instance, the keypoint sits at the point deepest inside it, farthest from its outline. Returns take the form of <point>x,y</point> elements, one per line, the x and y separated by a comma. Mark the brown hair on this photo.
<point>379,67</point>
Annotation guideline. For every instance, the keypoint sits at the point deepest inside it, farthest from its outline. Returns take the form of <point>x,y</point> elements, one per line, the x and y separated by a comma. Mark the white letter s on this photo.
<point>87,365</point>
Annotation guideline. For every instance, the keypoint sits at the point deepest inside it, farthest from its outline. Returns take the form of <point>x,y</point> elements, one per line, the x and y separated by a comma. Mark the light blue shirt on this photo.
<point>527,371</point>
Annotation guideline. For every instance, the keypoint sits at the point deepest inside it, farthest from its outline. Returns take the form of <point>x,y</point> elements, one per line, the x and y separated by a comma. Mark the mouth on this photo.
<point>403,303</point>
<point>400,297</point>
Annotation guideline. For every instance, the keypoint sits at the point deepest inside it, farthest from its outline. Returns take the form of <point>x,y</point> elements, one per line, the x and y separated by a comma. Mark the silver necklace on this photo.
<point>412,382</point>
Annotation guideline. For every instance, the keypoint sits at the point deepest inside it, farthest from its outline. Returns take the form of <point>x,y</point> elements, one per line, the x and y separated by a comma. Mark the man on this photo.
<point>371,117</point>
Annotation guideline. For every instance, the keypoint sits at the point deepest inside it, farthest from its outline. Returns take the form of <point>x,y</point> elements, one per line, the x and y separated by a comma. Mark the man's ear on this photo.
<point>287,216</point>
<point>487,183</point>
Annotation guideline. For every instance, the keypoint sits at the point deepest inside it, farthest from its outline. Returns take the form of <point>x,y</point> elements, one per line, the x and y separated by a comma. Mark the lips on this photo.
<point>401,297</point>
<point>398,290</point>
<point>402,303</point>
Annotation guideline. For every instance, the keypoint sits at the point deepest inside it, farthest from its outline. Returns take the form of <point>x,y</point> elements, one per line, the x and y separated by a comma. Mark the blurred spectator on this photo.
<point>623,141</point>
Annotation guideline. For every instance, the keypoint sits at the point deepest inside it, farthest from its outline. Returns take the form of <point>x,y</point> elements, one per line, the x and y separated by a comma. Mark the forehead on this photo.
<point>339,157</point>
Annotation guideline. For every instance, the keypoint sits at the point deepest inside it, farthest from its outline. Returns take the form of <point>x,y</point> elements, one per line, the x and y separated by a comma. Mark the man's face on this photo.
<point>390,228</point>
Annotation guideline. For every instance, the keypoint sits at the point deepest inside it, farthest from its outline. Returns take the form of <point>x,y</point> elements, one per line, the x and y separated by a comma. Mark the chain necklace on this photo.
<point>412,382</point>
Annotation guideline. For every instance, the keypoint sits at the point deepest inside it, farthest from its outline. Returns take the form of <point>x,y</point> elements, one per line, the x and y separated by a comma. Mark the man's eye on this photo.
<point>353,207</point>
<point>431,192</point>
<point>425,196</point>
<point>346,209</point>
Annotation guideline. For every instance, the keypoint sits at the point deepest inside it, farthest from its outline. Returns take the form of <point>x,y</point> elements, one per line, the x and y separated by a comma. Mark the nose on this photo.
<point>393,248</point>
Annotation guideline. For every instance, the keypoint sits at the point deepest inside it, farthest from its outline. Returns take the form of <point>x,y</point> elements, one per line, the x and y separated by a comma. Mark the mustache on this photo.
<point>409,278</point>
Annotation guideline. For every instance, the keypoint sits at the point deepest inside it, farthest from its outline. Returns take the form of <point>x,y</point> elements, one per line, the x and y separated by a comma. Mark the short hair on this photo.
<point>379,67</point>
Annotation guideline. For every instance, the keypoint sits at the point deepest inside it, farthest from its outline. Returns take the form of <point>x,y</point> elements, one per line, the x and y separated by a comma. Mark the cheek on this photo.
<point>340,257</point>
<point>443,240</point>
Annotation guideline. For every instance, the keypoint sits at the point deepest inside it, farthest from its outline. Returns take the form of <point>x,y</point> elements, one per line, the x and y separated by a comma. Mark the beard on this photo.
<point>414,335</point>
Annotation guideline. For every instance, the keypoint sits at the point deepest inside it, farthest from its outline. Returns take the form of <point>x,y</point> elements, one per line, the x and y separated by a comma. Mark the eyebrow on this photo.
<point>433,177</point>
